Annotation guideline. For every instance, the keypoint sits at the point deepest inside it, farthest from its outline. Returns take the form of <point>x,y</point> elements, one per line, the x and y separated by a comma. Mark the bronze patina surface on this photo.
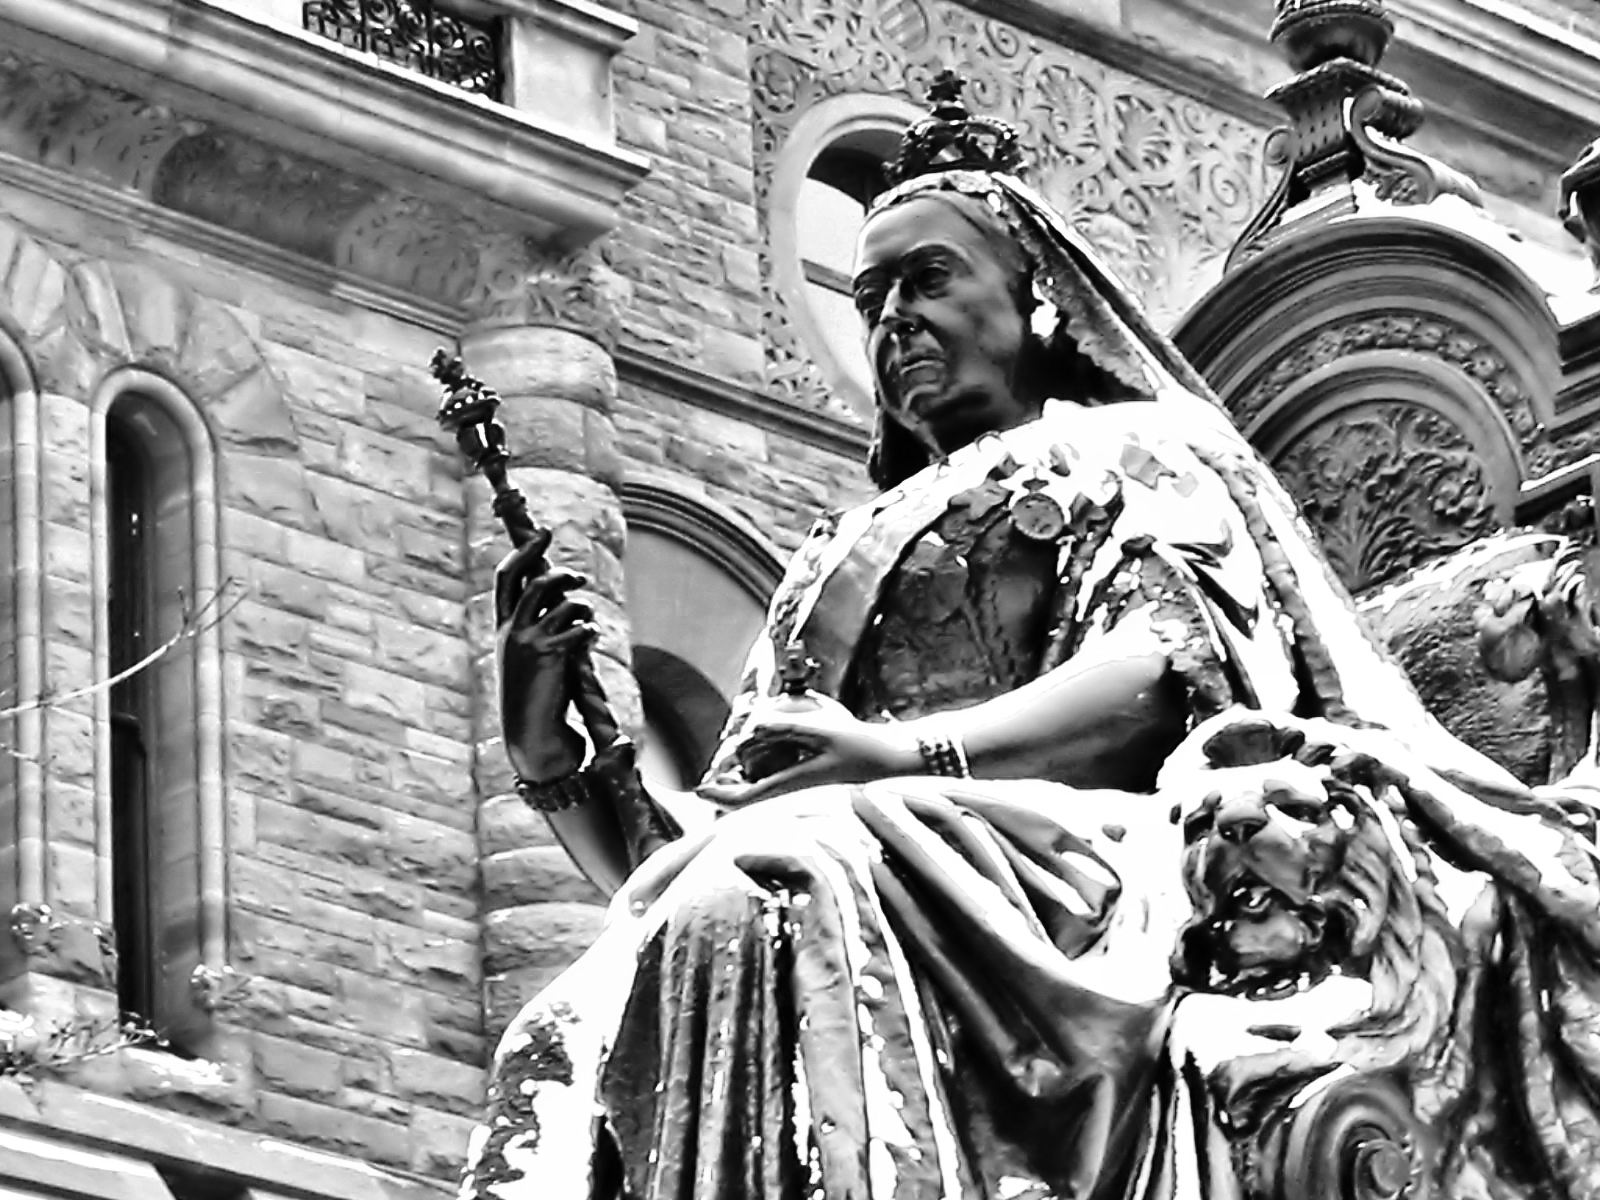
<point>1105,856</point>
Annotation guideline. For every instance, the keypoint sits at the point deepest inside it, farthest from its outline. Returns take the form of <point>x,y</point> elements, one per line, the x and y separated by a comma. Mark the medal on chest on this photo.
<point>1036,514</point>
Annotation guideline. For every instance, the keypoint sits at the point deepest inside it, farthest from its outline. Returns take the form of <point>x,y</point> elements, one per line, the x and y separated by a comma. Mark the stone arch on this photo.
<point>1402,284</point>
<point>1398,350</point>
<point>183,574</point>
<point>689,559</point>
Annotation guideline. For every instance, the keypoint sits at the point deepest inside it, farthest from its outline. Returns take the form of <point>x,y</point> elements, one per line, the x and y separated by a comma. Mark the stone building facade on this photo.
<point>232,233</point>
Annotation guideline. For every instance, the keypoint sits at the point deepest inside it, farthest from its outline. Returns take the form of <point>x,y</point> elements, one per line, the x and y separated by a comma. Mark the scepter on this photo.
<point>468,411</point>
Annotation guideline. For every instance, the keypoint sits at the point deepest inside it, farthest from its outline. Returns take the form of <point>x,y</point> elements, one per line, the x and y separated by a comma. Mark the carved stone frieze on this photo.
<point>579,291</point>
<point>433,251</point>
<point>1387,486</point>
<point>55,117</point>
<point>243,184</point>
<point>496,277</point>
<point>1434,336</point>
<point>1160,183</point>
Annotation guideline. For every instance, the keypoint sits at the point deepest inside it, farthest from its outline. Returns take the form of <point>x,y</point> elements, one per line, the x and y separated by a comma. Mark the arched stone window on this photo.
<point>830,169</point>
<point>698,584</point>
<point>158,757</point>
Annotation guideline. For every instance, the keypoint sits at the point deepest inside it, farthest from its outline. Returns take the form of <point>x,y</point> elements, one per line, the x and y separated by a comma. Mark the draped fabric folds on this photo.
<point>937,989</point>
<point>886,991</point>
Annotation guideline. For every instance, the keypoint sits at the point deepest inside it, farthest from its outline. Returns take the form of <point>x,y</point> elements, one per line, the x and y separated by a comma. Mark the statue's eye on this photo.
<point>932,277</point>
<point>1197,824</point>
<point>869,303</point>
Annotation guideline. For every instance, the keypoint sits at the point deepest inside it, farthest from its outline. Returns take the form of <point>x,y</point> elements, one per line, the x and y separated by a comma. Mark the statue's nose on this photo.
<point>1239,820</point>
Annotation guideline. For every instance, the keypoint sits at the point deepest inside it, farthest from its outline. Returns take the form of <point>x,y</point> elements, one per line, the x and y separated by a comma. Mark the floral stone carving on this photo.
<point>1387,486</point>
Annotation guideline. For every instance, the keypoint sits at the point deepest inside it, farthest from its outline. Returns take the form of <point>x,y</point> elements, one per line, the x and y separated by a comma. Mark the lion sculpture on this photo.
<point>1386,986</point>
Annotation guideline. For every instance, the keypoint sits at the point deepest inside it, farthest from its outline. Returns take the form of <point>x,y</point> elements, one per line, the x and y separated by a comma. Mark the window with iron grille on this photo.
<point>421,35</point>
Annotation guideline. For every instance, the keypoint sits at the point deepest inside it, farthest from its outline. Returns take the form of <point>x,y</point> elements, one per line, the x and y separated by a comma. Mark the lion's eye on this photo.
<point>1197,824</point>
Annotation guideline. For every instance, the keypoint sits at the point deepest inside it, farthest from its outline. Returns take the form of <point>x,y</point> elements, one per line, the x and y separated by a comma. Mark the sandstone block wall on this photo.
<point>351,865</point>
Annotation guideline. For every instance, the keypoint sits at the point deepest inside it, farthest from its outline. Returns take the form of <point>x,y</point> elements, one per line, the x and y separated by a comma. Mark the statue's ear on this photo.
<point>895,456</point>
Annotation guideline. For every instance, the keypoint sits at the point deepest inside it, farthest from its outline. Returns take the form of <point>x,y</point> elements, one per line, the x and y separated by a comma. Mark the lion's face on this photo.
<point>1287,869</point>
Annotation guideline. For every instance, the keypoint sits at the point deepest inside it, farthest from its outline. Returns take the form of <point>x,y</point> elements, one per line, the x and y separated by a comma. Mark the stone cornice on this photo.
<point>1549,78</point>
<point>124,209</point>
<point>579,18</point>
<point>316,98</point>
<point>1517,50</point>
<point>52,1111</point>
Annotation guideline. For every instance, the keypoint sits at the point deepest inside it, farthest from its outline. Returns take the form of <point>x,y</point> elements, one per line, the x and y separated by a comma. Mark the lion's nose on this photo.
<point>1240,820</point>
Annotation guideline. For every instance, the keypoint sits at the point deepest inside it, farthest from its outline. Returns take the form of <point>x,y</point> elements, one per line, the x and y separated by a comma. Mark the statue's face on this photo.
<point>944,331</point>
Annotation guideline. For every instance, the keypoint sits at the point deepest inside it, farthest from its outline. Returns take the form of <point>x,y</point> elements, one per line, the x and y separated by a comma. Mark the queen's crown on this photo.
<point>952,139</point>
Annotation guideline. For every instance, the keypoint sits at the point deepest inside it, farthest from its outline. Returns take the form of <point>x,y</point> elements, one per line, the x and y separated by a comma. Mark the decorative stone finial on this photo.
<point>1580,201</point>
<point>1347,119</point>
<point>950,138</point>
<point>1312,32</point>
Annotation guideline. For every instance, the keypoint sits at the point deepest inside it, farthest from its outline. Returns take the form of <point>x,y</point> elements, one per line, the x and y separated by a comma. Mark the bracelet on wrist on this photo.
<point>942,755</point>
<point>558,795</point>
<point>599,780</point>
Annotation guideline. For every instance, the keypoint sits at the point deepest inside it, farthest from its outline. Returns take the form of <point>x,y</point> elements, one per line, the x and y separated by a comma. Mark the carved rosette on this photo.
<point>1387,486</point>
<point>1158,182</point>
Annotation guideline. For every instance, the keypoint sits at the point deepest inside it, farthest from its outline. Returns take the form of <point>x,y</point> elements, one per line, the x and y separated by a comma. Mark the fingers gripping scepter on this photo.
<point>468,411</point>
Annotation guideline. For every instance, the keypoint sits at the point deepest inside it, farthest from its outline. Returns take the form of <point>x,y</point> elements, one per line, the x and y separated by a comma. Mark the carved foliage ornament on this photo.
<point>496,276</point>
<point>52,116</point>
<point>1158,182</point>
<point>1387,486</point>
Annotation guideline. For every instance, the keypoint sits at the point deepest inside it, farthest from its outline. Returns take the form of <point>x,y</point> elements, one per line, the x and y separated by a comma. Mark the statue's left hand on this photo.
<point>838,748</point>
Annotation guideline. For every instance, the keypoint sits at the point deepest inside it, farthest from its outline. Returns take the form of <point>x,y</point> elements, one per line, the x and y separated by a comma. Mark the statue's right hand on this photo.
<point>542,627</point>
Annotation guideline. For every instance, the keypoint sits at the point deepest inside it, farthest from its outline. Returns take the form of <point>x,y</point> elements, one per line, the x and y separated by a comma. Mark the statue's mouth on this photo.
<point>1260,942</point>
<point>918,370</point>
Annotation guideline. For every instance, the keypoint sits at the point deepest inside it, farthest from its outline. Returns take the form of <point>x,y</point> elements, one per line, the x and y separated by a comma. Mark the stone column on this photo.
<point>549,356</point>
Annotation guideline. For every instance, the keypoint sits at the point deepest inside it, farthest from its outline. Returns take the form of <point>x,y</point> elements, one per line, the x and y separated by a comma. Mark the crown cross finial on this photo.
<point>951,139</point>
<point>947,87</point>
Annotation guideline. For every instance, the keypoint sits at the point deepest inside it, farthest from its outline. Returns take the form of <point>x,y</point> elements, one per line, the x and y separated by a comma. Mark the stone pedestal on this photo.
<point>558,385</point>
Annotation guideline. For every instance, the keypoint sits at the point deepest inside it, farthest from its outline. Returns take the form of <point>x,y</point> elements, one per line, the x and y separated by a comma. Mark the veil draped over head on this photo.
<point>1080,303</point>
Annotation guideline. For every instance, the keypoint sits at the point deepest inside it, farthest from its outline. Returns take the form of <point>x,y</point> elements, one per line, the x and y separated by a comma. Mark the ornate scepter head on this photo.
<point>468,411</point>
